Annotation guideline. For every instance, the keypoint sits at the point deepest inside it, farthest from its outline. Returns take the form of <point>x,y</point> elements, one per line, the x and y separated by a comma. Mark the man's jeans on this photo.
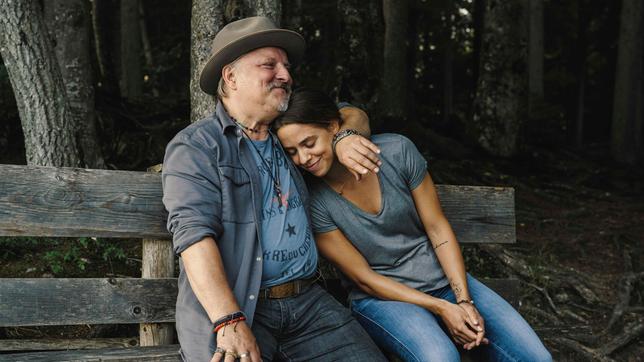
<point>415,334</point>
<point>311,326</point>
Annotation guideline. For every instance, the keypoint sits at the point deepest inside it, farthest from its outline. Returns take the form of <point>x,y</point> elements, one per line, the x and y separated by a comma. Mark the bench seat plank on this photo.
<point>73,202</point>
<point>159,353</point>
<point>51,344</point>
<point>44,301</point>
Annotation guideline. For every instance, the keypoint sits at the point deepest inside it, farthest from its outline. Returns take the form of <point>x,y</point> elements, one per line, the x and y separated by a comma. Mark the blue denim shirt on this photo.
<point>211,188</point>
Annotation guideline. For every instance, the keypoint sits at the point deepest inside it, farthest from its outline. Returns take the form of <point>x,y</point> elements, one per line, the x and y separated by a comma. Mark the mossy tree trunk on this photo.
<point>359,41</point>
<point>626,135</point>
<point>37,83</point>
<point>68,22</point>
<point>500,103</point>
<point>393,92</point>
<point>131,79</point>
<point>207,19</point>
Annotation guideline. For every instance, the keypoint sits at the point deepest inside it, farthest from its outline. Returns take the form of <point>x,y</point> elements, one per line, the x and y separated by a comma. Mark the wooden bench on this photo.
<point>69,202</point>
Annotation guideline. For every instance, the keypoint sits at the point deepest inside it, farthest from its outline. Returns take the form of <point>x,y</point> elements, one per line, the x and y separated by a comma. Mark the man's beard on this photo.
<point>283,105</point>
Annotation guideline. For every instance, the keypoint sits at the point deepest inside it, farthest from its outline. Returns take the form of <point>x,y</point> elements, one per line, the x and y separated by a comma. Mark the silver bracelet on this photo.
<point>342,134</point>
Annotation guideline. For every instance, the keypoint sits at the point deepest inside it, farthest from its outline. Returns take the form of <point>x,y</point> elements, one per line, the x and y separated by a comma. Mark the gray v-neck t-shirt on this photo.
<point>394,241</point>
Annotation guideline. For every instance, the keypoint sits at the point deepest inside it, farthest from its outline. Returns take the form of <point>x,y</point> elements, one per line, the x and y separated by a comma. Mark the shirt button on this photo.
<point>259,258</point>
<point>251,297</point>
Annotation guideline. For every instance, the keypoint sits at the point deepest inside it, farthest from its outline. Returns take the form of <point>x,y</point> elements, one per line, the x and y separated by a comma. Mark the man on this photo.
<point>238,214</point>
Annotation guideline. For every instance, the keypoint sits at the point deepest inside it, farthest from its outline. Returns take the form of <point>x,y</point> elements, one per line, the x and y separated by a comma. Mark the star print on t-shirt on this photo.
<point>290,230</point>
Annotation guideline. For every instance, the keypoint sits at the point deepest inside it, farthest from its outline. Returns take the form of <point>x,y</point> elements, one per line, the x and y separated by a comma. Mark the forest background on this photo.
<point>543,96</point>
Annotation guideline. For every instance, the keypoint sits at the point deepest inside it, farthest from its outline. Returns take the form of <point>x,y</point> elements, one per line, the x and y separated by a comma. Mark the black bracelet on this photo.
<point>228,318</point>
<point>342,134</point>
<point>465,301</point>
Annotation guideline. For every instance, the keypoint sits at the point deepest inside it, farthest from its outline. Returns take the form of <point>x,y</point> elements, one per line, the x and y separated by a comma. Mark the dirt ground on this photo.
<point>580,221</point>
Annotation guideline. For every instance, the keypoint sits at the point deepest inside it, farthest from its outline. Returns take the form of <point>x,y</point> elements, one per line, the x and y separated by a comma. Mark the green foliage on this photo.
<point>63,255</point>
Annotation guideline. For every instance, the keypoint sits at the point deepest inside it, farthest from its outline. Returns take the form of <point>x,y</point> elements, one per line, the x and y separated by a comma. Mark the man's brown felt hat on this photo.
<point>242,36</point>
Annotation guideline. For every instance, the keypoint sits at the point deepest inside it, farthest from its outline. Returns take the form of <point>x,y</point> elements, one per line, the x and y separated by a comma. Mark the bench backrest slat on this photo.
<point>44,301</point>
<point>72,202</point>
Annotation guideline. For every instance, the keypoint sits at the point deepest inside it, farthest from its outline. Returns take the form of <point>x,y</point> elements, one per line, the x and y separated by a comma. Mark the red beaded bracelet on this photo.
<point>232,321</point>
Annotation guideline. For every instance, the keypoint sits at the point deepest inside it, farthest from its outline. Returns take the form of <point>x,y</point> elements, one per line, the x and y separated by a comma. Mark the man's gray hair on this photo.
<point>221,87</point>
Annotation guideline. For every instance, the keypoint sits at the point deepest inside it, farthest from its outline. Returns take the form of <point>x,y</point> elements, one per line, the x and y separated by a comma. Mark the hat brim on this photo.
<point>290,41</point>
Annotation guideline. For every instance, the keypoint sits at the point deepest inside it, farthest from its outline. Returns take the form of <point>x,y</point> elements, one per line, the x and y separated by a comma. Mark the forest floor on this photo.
<point>579,251</point>
<point>580,224</point>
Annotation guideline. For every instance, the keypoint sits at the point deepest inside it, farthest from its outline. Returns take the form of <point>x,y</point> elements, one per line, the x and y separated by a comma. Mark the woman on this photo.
<point>387,234</point>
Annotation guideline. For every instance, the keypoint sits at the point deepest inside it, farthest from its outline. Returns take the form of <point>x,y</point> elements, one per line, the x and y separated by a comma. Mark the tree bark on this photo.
<point>131,69</point>
<point>38,86</point>
<point>500,101</point>
<point>68,25</point>
<point>626,133</point>
<point>394,82</point>
<point>535,51</point>
<point>271,9</point>
<point>207,20</point>
<point>576,126</point>
<point>354,70</point>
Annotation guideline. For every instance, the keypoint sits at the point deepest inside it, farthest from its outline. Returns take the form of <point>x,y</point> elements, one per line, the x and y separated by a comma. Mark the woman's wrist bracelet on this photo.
<point>469,301</point>
<point>343,134</point>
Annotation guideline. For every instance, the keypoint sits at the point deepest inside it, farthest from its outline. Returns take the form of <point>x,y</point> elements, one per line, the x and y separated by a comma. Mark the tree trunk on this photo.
<point>500,101</point>
<point>394,82</point>
<point>354,68</point>
<point>576,126</point>
<point>626,135</point>
<point>292,15</point>
<point>68,25</point>
<point>271,9</point>
<point>38,85</point>
<point>479,15</point>
<point>535,52</point>
<point>131,69</point>
<point>207,20</point>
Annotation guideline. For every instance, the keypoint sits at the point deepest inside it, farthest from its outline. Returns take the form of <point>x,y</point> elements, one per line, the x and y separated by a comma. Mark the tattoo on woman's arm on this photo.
<point>456,288</point>
<point>441,244</point>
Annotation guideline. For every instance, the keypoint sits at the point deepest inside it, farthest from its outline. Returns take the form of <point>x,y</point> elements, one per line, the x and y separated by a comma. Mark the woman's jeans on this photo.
<point>415,334</point>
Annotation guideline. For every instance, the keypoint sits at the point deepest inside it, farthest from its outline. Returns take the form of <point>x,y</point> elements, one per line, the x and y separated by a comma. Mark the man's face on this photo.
<point>263,80</point>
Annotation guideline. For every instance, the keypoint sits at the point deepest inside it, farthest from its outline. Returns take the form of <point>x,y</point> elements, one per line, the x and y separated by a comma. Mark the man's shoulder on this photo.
<point>207,132</point>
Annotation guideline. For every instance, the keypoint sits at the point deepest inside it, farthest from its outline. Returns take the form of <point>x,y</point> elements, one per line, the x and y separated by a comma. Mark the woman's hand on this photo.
<point>465,326</point>
<point>358,155</point>
<point>479,324</point>
<point>236,342</point>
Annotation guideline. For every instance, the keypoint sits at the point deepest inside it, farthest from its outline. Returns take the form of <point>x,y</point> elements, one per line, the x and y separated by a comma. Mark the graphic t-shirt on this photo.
<point>285,232</point>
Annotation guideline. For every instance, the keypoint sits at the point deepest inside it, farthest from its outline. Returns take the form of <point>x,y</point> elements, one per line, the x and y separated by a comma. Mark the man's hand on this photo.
<point>465,330</point>
<point>236,341</point>
<point>358,155</point>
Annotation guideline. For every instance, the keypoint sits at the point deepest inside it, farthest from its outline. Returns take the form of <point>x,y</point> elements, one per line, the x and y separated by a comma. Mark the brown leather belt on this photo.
<point>286,290</point>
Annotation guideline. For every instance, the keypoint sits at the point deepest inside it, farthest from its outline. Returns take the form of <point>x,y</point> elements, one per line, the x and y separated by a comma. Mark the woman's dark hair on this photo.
<point>308,106</point>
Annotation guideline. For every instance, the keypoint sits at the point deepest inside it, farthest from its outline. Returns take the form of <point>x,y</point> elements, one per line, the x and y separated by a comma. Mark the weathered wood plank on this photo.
<point>48,201</point>
<point>33,302</point>
<point>52,344</point>
<point>160,353</point>
<point>479,214</point>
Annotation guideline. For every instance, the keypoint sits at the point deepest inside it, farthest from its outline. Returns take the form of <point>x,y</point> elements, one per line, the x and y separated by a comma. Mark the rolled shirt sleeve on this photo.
<point>191,192</point>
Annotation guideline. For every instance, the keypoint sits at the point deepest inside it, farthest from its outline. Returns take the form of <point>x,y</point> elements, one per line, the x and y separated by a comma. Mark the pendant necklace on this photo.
<point>274,171</point>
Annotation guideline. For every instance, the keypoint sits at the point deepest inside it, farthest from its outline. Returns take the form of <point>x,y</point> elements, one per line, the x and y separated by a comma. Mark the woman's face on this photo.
<point>309,145</point>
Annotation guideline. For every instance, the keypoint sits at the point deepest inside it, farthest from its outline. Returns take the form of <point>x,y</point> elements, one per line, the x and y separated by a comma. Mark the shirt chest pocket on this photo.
<point>236,195</point>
